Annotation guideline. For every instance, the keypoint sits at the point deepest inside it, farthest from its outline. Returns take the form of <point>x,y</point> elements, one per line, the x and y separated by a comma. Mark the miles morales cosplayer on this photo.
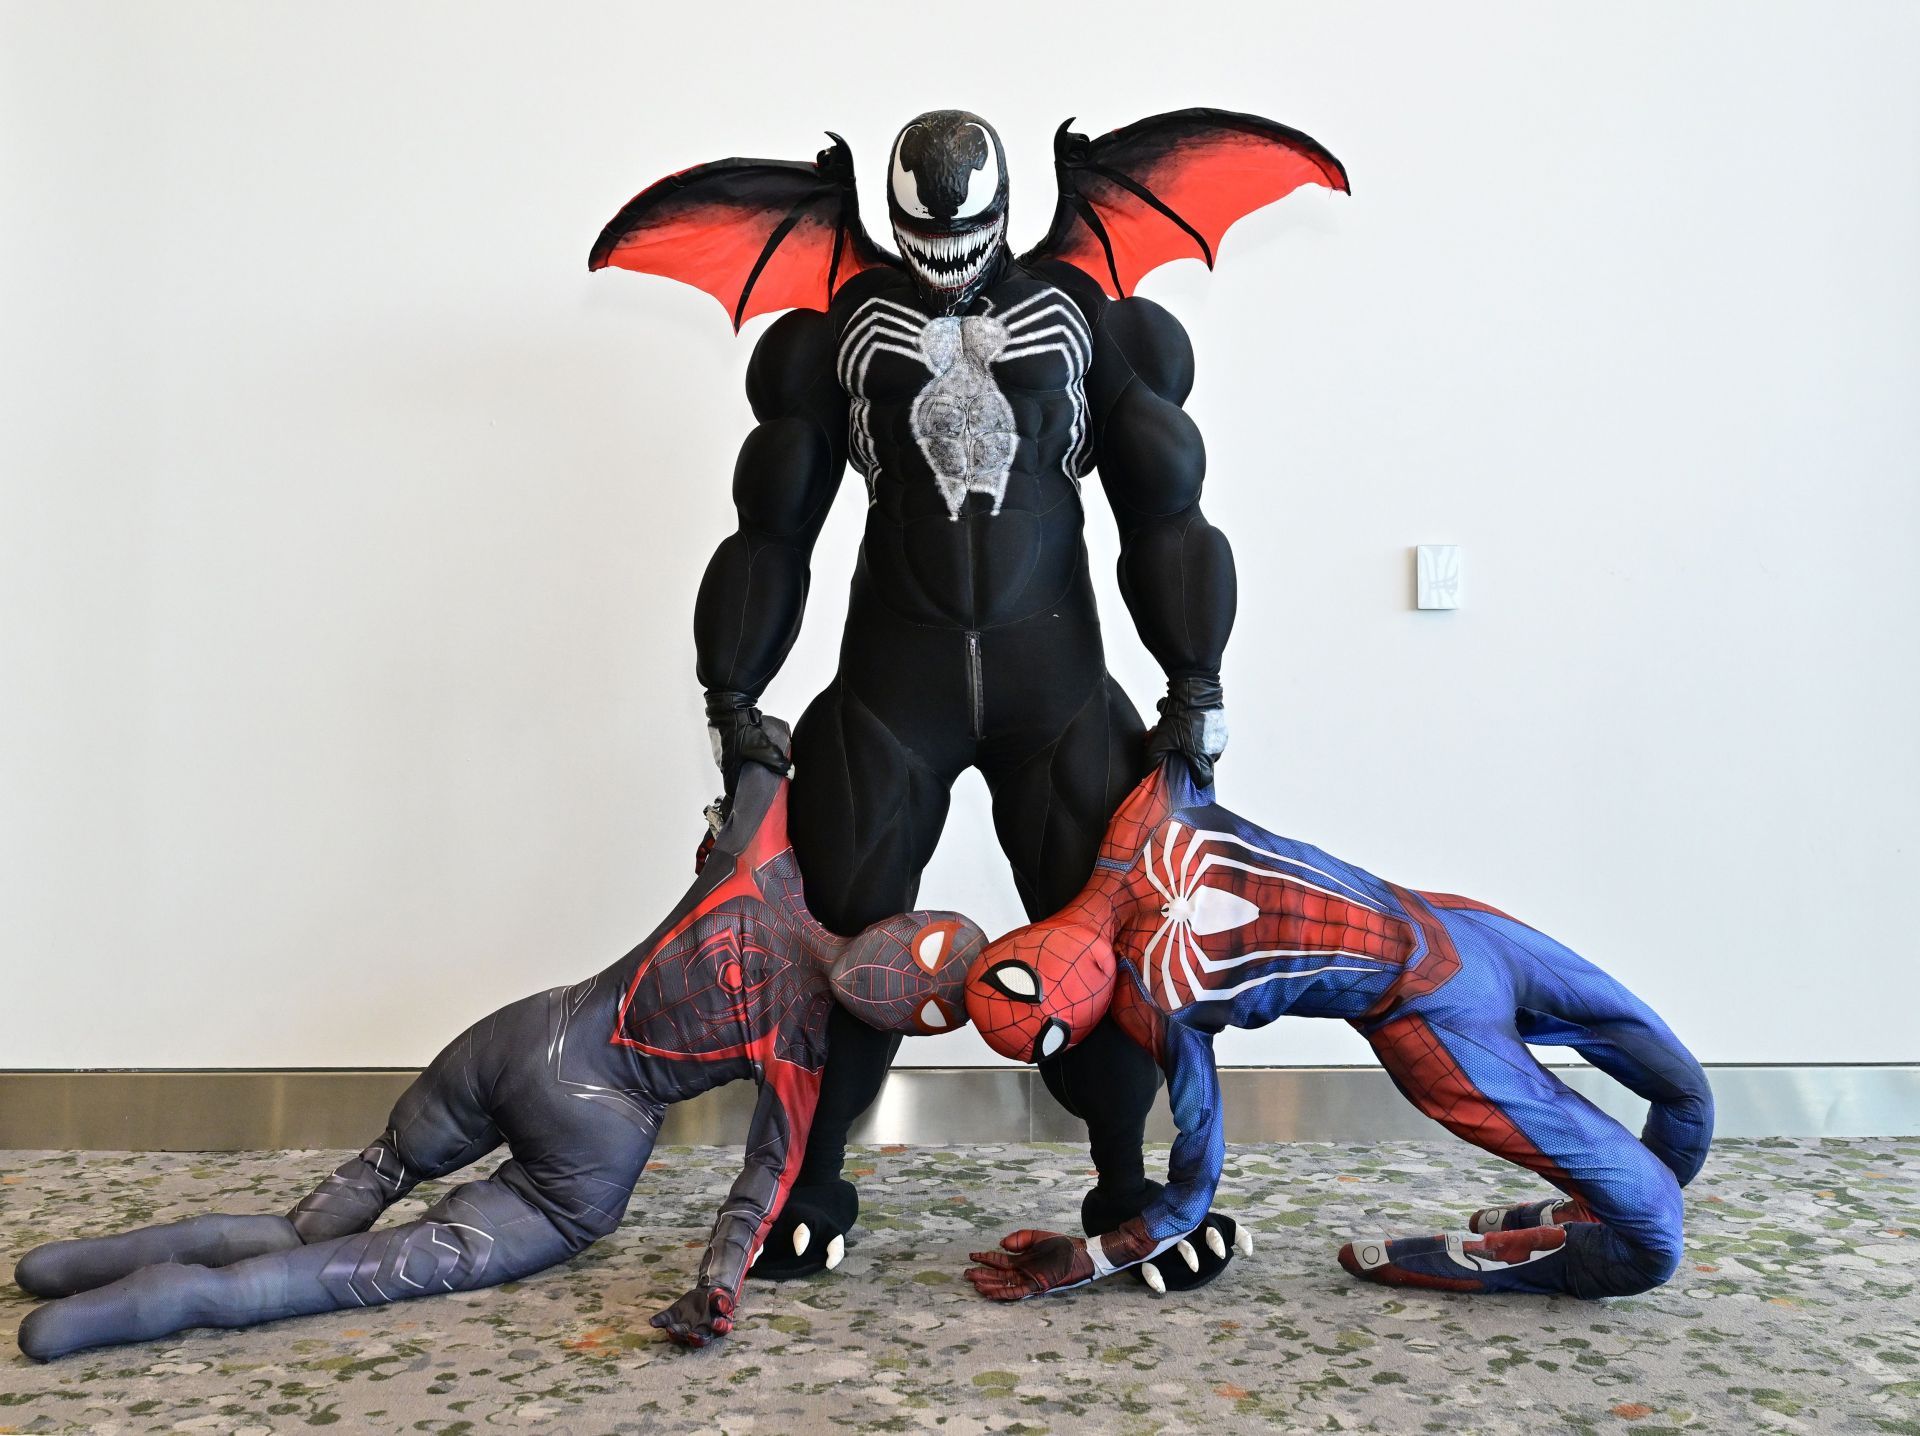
<point>973,390</point>
<point>736,983</point>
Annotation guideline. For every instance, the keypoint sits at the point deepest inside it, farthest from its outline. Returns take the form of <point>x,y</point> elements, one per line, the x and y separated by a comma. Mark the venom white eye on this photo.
<point>1053,1039</point>
<point>906,189</point>
<point>983,184</point>
<point>1015,979</point>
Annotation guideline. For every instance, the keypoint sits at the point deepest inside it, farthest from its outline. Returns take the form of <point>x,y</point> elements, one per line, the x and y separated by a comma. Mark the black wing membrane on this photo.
<point>758,235</point>
<point>1169,187</point>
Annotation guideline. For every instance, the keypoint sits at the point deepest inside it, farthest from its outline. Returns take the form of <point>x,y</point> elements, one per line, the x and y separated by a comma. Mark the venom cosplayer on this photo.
<point>736,983</point>
<point>1197,920</point>
<point>973,390</point>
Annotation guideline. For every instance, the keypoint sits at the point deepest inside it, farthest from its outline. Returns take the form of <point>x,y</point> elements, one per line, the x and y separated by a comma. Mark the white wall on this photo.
<point>349,530</point>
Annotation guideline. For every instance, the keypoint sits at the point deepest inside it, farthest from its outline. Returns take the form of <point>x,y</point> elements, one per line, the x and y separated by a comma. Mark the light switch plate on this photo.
<point>1436,570</point>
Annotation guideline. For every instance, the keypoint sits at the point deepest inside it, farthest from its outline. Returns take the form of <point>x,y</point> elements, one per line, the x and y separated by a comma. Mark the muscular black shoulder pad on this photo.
<point>1075,283</point>
<point>1151,343</point>
<point>789,365</point>
<point>864,286</point>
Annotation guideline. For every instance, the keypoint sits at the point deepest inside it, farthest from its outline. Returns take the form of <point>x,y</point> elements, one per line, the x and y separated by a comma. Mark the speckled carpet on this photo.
<point>1798,1310</point>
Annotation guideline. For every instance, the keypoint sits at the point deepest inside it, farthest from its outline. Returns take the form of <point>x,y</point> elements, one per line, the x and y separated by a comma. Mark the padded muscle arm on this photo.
<point>1176,569</point>
<point>755,589</point>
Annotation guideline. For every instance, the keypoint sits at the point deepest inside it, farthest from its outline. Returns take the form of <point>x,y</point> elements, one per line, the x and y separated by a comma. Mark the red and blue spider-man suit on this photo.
<point>1196,920</point>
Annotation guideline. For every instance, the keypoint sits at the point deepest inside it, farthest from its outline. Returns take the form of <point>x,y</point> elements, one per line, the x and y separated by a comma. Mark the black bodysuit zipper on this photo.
<point>976,690</point>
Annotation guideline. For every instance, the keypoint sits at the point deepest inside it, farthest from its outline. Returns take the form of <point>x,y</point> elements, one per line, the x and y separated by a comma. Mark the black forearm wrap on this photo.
<point>1193,692</point>
<point>726,705</point>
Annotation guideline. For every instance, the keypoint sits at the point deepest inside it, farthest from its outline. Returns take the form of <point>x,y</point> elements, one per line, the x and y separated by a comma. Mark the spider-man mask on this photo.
<point>1040,989</point>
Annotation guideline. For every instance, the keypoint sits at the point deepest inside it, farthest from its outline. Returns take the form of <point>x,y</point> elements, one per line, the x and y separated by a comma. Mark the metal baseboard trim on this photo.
<point>226,1111</point>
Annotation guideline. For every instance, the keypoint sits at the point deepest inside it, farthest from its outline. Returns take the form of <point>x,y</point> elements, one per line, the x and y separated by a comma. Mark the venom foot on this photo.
<point>1103,1210</point>
<point>1198,1257</point>
<point>810,1234</point>
<point>1190,1263</point>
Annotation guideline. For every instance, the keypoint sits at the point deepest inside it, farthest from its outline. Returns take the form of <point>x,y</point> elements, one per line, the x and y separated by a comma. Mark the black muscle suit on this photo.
<point>972,638</point>
<point>736,983</point>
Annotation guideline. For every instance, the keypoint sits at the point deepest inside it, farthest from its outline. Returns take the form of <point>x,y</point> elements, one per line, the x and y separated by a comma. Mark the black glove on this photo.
<point>733,723</point>
<point>1193,723</point>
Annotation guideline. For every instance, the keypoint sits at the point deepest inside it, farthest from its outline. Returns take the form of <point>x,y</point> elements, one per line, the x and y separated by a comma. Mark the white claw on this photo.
<point>754,1258</point>
<point>802,1234</point>
<point>1243,1242</point>
<point>1155,1282</point>
<point>1188,1254</point>
<point>1216,1243</point>
<point>836,1252</point>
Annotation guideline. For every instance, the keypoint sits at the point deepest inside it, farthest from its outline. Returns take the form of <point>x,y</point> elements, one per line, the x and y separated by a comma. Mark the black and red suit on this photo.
<point>736,983</point>
<point>974,392</point>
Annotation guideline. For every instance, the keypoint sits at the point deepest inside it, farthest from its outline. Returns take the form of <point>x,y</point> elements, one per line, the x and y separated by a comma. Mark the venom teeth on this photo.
<point>948,261</point>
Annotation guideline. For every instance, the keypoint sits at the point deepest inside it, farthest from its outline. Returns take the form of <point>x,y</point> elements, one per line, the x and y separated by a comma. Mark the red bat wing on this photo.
<point>1169,187</point>
<point>758,235</point>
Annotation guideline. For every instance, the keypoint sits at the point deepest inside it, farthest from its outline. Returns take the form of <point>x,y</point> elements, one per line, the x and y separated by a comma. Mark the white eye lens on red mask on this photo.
<point>1052,1038</point>
<point>1015,980</point>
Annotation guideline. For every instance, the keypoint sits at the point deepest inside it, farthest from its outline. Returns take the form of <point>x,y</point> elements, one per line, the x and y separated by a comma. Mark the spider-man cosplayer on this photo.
<point>1196,920</point>
<point>974,391</point>
<point>738,982</point>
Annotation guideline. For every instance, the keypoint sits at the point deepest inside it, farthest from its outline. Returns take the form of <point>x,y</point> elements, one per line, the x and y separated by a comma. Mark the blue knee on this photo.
<point>1633,1253</point>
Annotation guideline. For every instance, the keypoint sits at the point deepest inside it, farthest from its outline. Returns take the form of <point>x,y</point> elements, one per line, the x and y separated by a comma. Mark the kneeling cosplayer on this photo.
<point>738,982</point>
<point>1195,920</point>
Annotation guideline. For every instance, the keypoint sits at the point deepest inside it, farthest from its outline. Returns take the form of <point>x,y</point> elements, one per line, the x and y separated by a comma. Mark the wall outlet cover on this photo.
<point>1436,569</point>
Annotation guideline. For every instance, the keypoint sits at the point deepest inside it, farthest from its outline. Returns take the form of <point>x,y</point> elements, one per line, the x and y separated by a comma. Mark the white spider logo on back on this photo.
<point>961,419</point>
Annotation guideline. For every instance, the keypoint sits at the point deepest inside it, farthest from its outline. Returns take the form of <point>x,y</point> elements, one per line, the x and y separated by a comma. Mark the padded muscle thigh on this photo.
<point>865,814</point>
<point>1051,805</point>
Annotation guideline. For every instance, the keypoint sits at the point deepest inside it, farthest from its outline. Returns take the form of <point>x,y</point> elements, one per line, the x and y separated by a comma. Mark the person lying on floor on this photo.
<point>1196,920</point>
<point>738,982</point>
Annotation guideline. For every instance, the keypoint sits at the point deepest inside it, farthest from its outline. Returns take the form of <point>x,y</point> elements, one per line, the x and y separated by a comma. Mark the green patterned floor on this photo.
<point>1798,1310</point>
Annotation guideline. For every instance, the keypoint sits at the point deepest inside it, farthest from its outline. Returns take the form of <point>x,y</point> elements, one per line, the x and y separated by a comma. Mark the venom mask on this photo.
<point>947,198</point>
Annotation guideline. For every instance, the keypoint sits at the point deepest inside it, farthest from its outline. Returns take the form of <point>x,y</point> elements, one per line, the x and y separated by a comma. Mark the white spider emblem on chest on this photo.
<point>961,419</point>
